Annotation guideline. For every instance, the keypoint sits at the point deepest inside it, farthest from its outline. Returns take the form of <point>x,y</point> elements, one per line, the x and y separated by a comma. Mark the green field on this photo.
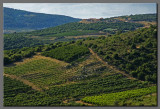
<point>39,71</point>
<point>67,53</point>
<point>114,99</point>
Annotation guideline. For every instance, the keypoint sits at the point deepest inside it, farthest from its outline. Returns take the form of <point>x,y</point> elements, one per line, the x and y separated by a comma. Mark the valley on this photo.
<point>104,62</point>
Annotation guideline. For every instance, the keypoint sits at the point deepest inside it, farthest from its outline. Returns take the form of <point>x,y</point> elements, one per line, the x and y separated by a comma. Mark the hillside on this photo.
<point>19,20</point>
<point>86,72</point>
<point>66,31</point>
<point>149,18</point>
<point>79,30</point>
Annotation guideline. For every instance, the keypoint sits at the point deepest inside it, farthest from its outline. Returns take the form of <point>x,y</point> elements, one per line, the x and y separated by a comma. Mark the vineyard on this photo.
<point>39,71</point>
<point>113,99</point>
<point>10,90</point>
<point>22,95</point>
<point>108,84</point>
<point>118,70</point>
<point>67,53</point>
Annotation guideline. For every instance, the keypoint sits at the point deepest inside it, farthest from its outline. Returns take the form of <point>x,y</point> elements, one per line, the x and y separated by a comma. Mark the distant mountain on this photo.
<point>19,20</point>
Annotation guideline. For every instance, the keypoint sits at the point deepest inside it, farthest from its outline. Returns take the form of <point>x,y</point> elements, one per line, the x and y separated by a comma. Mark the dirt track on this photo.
<point>24,81</point>
<point>81,102</point>
<point>109,66</point>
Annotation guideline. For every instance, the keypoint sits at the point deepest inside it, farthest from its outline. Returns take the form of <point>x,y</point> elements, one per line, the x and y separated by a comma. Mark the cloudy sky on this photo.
<point>86,10</point>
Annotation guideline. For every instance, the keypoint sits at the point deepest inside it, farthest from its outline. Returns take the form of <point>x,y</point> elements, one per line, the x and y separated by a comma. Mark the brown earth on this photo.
<point>81,102</point>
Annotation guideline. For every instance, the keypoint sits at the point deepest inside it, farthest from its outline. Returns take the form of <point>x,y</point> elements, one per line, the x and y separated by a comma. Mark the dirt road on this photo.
<point>24,81</point>
<point>81,102</point>
<point>109,66</point>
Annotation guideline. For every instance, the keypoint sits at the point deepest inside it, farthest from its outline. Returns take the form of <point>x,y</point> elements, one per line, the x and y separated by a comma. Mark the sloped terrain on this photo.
<point>106,26</point>
<point>21,21</point>
<point>70,73</point>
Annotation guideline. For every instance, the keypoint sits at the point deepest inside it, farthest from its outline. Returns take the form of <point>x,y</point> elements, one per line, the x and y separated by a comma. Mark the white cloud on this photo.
<point>86,10</point>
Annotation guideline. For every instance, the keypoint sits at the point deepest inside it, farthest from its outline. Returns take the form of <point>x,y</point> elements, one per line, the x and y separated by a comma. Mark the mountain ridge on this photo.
<point>19,20</point>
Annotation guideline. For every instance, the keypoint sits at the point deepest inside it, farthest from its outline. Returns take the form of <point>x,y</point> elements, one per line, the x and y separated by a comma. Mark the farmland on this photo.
<point>119,97</point>
<point>119,69</point>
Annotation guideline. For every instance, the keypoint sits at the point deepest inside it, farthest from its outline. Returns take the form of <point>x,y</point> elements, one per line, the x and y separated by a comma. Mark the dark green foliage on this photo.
<point>133,52</point>
<point>10,90</point>
<point>15,40</point>
<point>20,40</point>
<point>115,56</point>
<point>133,46</point>
<point>67,53</point>
<point>18,94</point>
<point>7,60</point>
<point>139,17</point>
<point>84,27</point>
<point>24,39</point>
<point>18,54</point>
<point>19,19</point>
<point>144,17</point>
<point>74,33</point>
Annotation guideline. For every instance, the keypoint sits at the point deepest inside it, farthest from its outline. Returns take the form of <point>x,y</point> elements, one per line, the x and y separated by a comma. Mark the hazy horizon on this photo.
<point>86,10</point>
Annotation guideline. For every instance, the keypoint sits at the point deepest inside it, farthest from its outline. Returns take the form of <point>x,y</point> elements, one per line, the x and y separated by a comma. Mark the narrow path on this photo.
<point>109,66</point>
<point>24,81</point>
<point>81,102</point>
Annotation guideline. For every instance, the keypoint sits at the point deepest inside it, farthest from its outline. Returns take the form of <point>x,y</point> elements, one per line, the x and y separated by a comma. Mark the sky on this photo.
<point>86,10</point>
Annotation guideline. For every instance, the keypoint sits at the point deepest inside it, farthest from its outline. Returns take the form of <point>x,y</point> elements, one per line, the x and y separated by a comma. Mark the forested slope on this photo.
<point>69,29</point>
<point>133,52</point>
<point>23,20</point>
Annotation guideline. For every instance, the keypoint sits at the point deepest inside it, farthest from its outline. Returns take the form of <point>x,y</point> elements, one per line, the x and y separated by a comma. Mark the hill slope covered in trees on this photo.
<point>62,32</point>
<point>69,31</point>
<point>19,20</point>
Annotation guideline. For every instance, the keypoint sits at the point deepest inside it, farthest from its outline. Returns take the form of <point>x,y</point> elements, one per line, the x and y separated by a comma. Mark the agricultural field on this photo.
<point>68,83</point>
<point>119,98</point>
<point>80,64</point>
<point>67,53</point>
<point>39,70</point>
<point>23,95</point>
